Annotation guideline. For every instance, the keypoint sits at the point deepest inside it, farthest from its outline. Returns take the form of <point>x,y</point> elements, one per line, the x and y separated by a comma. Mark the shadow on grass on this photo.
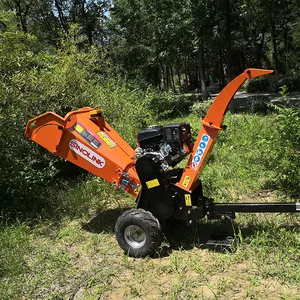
<point>104,221</point>
<point>181,237</point>
<point>178,236</point>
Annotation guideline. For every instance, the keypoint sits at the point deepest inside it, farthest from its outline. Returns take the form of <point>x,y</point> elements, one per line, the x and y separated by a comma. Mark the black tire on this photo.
<point>138,233</point>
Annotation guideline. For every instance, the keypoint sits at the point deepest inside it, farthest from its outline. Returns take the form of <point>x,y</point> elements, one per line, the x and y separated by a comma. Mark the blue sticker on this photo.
<point>205,138</point>
<point>202,145</point>
<point>196,158</point>
<point>199,151</point>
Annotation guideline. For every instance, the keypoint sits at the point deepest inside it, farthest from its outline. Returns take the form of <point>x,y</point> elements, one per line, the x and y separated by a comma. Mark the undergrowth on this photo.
<point>77,255</point>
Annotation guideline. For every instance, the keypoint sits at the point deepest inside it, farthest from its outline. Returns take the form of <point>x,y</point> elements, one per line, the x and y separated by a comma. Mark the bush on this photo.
<point>272,85</point>
<point>200,108</point>
<point>262,84</point>
<point>169,105</point>
<point>33,82</point>
<point>285,155</point>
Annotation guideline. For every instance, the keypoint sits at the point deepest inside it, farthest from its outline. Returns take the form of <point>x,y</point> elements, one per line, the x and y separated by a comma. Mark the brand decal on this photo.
<point>200,151</point>
<point>86,153</point>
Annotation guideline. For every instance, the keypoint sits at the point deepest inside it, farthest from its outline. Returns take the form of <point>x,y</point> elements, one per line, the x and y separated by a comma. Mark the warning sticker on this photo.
<point>87,135</point>
<point>186,181</point>
<point>138,188</point>
<point>188,200</point>
<point>200,151</point>
<point>106,139</point>
<point>78,128</point>
<point>152,183</point>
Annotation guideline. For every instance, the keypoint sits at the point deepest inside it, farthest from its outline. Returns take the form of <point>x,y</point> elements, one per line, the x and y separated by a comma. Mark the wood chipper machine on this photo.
<point>148,173</point>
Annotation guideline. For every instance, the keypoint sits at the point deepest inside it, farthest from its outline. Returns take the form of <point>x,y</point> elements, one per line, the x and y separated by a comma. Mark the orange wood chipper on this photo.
<point>162,192</point>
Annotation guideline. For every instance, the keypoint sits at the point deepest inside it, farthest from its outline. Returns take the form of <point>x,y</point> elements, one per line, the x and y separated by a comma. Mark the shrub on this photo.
<point>33,82</point>
<point>200,108</point>
<point>262,84</point>
<point>285,155</point>
<point>272,84</point>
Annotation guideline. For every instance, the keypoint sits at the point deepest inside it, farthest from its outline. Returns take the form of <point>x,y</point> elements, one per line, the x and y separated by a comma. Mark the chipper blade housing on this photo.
<point>84,138</point>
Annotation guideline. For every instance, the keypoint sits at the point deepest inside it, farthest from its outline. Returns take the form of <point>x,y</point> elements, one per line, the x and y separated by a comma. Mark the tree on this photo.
<point>22,8</point>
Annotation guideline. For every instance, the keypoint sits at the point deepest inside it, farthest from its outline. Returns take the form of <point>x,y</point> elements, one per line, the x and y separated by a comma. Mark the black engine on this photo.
<point>161,148</point>
<point>165,143</point>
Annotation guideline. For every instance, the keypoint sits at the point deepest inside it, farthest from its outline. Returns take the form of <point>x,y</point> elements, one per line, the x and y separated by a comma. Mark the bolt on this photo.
<point>223,217</point>
<point>180,208</point>
<point>208,213</point>
<point>190,222</point>
<point>189,212</point>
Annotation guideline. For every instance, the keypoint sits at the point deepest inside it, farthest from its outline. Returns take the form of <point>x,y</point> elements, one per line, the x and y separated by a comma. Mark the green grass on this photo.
<point>77,257</point>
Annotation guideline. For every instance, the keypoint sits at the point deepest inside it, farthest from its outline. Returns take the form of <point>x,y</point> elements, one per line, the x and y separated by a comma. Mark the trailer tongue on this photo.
<point>162,192</point>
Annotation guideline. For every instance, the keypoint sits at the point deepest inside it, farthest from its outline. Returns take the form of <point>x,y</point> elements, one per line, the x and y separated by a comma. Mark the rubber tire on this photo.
<point>150,226</point>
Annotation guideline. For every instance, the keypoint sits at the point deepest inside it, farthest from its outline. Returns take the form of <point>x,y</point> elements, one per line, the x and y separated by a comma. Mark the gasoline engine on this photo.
<point>165,145</point>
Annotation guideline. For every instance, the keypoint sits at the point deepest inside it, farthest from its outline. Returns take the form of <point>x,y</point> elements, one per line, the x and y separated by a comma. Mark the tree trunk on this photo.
<point>229,71</point>
<point>86,21</point>
<point>61,15</point>
<point>22,14</point>
<point>172,79</point>
<point>163,75</point>
<point>168,76</point>
<point>221,68</point>
<point>185,72</point>
<point>202,75</point>
<point>179,78</point>
<point>275,56</point>
<point>158,77</point>
<point>258,51</point>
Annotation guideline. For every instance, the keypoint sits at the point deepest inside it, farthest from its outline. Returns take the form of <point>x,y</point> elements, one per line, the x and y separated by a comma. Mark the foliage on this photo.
<point>272,84</point>
<point>286,151</point>
<point>201,108</point>
<point>35,81</point>
<point>239,162</point>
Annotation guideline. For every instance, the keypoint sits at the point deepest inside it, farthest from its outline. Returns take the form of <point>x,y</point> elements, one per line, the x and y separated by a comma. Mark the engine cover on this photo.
<point>167,143</point>
<point>152,136</point>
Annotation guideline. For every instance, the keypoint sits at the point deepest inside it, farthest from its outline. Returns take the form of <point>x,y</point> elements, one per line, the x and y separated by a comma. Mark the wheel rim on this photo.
<point>135,236</point>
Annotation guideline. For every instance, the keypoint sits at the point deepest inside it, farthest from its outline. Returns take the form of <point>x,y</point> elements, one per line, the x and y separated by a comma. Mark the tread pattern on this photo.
<point>148,223</point>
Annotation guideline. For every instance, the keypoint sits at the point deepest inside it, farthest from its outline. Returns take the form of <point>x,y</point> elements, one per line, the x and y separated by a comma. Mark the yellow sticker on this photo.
<point>152,183</point>
<point>186,181</point>
<point>137,189</point>
<point>78,128</point>
<point>106,139</point>
<point>188,200</point>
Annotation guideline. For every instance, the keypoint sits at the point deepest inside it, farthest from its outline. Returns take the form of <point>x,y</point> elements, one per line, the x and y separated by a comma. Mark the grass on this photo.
<point>77,257</point>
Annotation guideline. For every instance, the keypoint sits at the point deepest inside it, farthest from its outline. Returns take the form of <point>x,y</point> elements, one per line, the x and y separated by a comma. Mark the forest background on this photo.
<point>141,62</point>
